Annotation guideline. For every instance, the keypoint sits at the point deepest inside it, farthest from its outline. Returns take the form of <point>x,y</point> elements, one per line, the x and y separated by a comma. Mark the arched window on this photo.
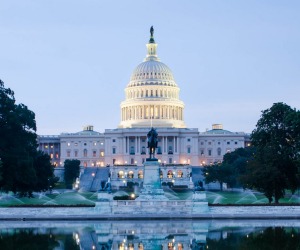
<point>121,174</point>
<point>170,174</point>
<point>146,93</point>
<point>130,175</point>
<point>179,174</point>
<point>140,174</point>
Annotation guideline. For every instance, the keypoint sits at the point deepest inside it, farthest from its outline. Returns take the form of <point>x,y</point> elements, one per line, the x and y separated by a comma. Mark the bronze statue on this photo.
<point>151,31</point>
<point>152,142</point>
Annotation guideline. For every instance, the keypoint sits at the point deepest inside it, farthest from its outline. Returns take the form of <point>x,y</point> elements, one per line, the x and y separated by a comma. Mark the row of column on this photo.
<point>154,111</point>
<point>152,93</point>
<point>163,144</point>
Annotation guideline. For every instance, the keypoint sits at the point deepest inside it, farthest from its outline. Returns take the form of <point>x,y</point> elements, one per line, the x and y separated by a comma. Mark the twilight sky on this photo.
<point>70,60</point>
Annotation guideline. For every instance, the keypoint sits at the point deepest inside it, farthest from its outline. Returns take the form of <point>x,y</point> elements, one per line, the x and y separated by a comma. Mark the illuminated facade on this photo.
<point>151,99</point>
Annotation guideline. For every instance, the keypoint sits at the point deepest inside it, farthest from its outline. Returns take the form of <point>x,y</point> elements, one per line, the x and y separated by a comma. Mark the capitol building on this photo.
<point>152,99</point>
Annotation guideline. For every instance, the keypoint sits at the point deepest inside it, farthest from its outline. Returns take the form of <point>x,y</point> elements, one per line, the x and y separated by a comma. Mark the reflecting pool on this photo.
<point>138,235</point>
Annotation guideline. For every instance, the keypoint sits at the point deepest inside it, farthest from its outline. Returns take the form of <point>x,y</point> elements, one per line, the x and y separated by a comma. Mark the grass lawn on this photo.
<point>56,198</point>
<point>89,198</point>
<point>246,197</point>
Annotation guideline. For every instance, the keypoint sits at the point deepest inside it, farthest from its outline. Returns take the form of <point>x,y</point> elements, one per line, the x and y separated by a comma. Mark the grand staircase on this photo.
<point>91,178</point>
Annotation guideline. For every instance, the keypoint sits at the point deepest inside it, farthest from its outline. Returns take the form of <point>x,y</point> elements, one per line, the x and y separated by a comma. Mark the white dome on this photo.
<point>152,70</point>
<point>152,95</point>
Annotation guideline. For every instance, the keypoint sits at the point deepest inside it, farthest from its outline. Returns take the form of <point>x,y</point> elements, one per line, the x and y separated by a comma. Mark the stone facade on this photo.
<point>151,100</point>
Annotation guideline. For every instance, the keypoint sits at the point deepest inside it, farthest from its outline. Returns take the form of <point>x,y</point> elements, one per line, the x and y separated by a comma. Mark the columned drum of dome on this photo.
<point>152,95</point>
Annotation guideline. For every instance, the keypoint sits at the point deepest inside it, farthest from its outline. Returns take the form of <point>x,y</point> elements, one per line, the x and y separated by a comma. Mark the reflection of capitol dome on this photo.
<point>152,95</point>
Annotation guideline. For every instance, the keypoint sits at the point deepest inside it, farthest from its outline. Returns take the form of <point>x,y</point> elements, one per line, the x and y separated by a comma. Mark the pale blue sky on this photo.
<point>69,61</point>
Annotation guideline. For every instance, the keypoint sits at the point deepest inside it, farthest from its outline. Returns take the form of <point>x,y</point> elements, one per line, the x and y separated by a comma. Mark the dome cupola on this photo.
<point>152,95</point>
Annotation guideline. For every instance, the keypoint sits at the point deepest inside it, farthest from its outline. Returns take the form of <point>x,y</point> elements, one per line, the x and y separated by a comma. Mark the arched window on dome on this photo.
<point>151,93</point>
<point>156,93</point>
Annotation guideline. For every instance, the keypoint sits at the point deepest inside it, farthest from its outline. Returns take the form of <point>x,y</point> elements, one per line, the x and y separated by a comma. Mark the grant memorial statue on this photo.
<point>152,143</point>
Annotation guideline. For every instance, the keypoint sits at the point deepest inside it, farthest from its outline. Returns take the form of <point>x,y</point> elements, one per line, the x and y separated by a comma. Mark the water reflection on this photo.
<point>128,235</point>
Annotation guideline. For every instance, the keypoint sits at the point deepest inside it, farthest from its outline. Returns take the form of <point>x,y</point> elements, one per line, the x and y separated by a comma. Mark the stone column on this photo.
<point>174,145</point>
<point>124,145</point>
<point>136,146</point>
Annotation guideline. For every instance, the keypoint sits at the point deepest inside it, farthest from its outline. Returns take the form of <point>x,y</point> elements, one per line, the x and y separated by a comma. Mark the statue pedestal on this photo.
<point>152,186</point>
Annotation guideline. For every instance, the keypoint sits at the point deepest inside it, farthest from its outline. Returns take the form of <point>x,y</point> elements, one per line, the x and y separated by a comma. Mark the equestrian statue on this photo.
<point>152,142</point>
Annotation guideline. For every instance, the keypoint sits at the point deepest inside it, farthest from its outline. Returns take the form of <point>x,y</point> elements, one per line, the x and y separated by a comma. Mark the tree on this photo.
<point>237,161</point>
<point>217,173</point>
<point>230,170</point>
<point>72,169</point>
<point>275,165</point>
<point>18,148</point>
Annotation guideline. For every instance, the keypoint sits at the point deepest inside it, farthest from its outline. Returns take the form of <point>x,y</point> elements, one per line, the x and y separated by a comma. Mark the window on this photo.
<point>114,161</point>
<point>202,151</point>
<point>235,143</point>
<point>46,146</point>
<point>121,174</point>
<point>228,143</point>
<point>179,174</point>
<point>140,174</point>
<point>131,161</point>
<point>170,150</point>
<point>209,143</point>
<point>202,143</point>
<point>94,153</point>
<point>209,152</point>
<point>188,150</point>
<point>143,151</point>
<point>56,156</point>
<point>132,150</point>
<point>85,153</point>
<point>95,143</point>
<point>51,156</point>
<point>75,144</point>
<point>114,140</point>
<point>69,144</point>
<point>219,143</point>
<point>84,144</point>
<point>170,161</point>
<point>76,153</point>
<point>170,174</point>
<point>102,153</point>
<point>188,139</point>
<point>51,146</point>
<point>113,150</point>
<point>219,151</point>
<point>130,175</point>
<point>68,154</point>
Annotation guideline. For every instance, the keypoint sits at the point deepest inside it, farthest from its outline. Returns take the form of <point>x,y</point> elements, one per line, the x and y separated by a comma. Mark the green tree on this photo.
<point>18,147</point>
<point>72,169</point>
<point>217,173</point>
<point>237,161</point>
<point>274,167</point>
